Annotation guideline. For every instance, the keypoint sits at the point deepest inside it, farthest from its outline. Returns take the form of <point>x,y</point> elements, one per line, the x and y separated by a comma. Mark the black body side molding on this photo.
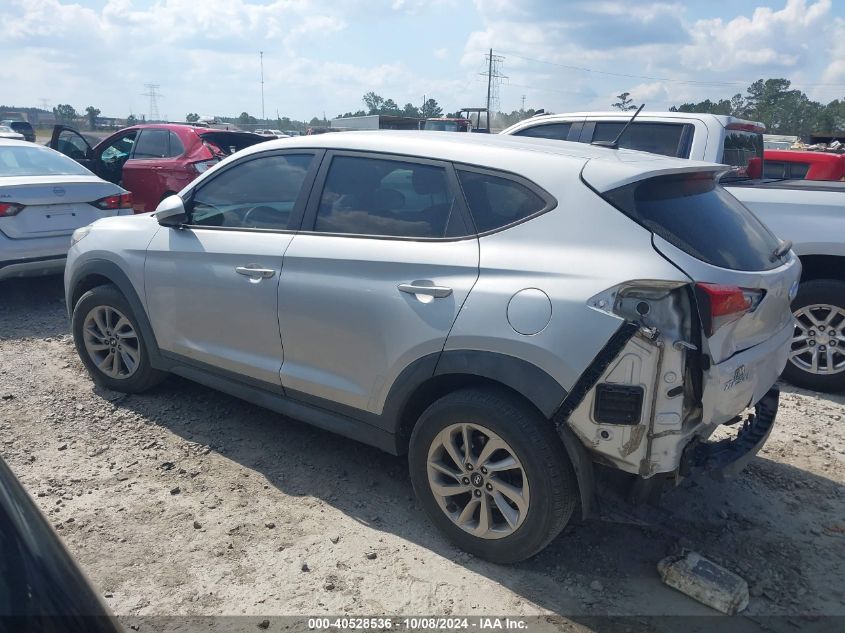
<point>543,391</point>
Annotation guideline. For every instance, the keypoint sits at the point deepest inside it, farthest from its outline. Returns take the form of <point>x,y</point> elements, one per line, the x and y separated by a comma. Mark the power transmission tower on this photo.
<point>153,94</point>
<point>494,77</point>
<point>45,104</point>
<point>523,103</point>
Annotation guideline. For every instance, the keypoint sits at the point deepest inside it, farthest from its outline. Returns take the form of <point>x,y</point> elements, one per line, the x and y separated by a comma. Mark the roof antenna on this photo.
<point>614,144</point>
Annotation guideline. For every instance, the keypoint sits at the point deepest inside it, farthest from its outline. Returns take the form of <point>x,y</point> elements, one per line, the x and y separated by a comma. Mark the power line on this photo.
<point>650,78</point>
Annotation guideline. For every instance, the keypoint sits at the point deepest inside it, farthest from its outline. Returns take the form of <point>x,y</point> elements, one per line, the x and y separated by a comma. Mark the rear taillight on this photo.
<point>720,305</point>
<point>8,209</point>
<point>122,201</point>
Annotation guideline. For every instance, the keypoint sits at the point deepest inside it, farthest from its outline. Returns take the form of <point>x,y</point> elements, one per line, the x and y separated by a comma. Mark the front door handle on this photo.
<point>255,271</point>
<point>425,288</point>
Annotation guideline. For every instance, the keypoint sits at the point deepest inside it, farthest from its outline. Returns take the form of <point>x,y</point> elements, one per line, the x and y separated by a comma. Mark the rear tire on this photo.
<point>528,493</point>
<point>110,343</point>
<point>819,341</point>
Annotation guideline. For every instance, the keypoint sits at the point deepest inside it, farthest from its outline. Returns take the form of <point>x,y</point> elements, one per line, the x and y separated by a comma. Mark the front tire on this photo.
<point>817,355</point>
<point>109,342</point>
<point>492,474</point>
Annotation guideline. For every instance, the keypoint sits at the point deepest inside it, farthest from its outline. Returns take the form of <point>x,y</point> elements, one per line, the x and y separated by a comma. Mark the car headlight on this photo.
<point>79,233</point>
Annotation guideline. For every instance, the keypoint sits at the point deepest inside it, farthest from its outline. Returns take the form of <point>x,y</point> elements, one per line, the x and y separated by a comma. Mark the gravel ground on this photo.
<point>185,501</point>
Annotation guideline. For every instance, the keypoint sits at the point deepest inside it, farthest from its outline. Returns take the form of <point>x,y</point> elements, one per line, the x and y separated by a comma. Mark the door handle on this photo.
<point>255,271</point>
<point>425,288</point>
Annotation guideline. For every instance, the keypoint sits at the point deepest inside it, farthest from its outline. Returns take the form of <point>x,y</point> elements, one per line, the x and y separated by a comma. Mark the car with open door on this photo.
<point>153,160</point>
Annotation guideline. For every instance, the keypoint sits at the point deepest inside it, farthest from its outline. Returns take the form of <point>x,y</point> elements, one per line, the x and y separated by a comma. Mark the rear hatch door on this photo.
<point>743,289</point>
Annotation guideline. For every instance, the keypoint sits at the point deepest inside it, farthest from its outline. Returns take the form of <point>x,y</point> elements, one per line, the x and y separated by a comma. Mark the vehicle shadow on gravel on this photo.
<point>28,307</point>
<point>776,525</point>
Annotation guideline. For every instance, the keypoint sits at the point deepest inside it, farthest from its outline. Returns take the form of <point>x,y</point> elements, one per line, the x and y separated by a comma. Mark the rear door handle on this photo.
<point>425,288</point>
<point>255,271</point>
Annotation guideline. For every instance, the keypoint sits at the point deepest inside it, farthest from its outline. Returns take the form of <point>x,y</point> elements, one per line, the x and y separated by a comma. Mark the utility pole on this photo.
<point>489,84</point>
<point>261,53</point>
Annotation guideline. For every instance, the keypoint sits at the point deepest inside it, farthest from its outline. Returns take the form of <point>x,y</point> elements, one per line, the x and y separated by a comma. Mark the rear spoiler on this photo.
<point>604,175</point>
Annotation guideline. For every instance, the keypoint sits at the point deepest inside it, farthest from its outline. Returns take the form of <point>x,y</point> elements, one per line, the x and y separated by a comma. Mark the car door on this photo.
<point>212,285</point>
<point>73,145</point>
<point>142,171</point>
<point>111,154</point>
<point>375,278</point>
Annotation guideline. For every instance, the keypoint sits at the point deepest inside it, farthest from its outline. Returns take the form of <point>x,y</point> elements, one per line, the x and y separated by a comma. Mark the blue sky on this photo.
<point>323,56</point>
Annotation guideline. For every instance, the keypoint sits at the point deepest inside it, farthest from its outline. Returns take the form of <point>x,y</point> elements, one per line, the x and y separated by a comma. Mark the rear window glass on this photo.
<point>656,138</point>
<point>699,217</point>
<point>496,202</point>
<point>557,131</point>
<point>37,161</point>
<point>229,142</point>
<point>742,149</point>
<point>783,169</point>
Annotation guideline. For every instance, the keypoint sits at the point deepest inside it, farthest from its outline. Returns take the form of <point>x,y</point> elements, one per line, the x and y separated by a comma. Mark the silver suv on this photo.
<point>525,318</point>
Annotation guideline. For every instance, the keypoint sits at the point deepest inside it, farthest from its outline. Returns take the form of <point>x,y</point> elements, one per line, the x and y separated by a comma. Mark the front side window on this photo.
<point>496,202</point>
<point>556,131</point>
<point>368,196</point>
<point>118,151</point>
<point>71,144</point>
<point>655,138</point>
<point>255,194</point>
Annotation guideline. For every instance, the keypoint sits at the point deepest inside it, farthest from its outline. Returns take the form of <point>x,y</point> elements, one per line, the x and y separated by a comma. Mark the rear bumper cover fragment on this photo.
<point>727,458</point>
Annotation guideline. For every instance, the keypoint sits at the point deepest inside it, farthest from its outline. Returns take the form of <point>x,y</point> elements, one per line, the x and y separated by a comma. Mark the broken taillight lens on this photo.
<point>720,304</point>
<point>121,201</point>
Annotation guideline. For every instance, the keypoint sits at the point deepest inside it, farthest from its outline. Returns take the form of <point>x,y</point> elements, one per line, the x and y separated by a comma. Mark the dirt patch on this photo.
<point>185,501</point>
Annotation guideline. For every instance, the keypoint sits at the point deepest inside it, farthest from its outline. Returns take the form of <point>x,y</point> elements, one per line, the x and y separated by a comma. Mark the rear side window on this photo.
<point>495,202</point>
<point>368,196</point>
<point>783,169</point>
<point>556,131</point>
<point>667,139</point>
<point>699,217</point>
<point>742,149</point>
<point>153,144</point>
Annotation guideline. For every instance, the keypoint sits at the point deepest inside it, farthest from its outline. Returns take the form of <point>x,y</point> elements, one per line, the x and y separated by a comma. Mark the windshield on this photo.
<point>744,152</point>
<point>16,160</point>
<point>441,126</point>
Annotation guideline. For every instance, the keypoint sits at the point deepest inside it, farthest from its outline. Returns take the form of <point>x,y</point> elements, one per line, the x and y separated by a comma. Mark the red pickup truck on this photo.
<point>784,163</point>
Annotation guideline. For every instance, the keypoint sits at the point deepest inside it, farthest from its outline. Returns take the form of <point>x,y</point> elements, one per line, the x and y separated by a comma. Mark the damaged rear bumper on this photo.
<point>726,458</point>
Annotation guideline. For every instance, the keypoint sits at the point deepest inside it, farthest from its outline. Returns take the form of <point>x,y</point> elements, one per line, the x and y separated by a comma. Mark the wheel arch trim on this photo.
<point>110,271</point>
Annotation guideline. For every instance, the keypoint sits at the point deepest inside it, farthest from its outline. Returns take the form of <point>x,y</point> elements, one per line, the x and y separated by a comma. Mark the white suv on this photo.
<point>522,317</point>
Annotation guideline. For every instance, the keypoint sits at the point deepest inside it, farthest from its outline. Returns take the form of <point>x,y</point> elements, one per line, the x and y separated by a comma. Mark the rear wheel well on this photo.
<point>434,389</point>
<point>85,284</point>
<point>822,267</point>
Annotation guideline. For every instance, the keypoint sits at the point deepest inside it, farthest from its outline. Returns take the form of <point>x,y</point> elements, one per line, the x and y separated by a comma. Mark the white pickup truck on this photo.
<point>811,214</point>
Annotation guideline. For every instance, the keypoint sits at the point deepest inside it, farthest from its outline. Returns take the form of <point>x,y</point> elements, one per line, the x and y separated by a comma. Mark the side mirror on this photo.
<point>171,212</point>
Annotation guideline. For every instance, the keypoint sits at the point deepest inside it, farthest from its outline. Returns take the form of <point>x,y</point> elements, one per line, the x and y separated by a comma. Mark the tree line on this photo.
<point>783,109</point>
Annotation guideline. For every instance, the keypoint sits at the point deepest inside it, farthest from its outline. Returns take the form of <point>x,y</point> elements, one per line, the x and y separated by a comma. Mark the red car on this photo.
<point>784,163</point>
<point>152,160</point>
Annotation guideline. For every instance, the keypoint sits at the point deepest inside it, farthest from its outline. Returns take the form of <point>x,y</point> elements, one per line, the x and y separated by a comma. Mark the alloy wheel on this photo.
<point>111,342</point>
<point>818,344</point>
<point>478,481</point>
